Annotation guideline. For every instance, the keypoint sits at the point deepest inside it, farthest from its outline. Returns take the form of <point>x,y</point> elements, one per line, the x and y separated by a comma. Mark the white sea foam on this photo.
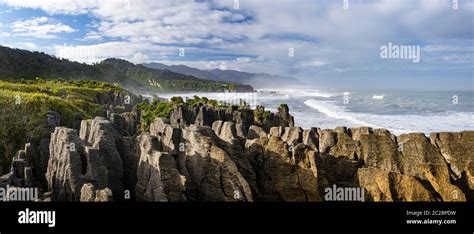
<point>315,94</point>
<point>378,97</point>
<point>336,112</point>
<point>397,124</point>
<point>301,92</point>
<point>327,113</point>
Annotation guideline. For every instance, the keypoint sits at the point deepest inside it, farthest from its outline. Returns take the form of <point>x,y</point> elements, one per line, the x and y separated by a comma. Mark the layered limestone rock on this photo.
<point>377,148</point>
<point>256,132</point>
<point>458,151</point>
<point>99,154</point>
<point>211,174</point>
<point>242,116</point>
<point>231,144</point>
<point>422,159</point>
<point>304,158</point>
<point>337,159</point>
<point>283,117</point>
<point>343,146</point>
<point>243,119</point>
<point>283,175</point>
<point>90,194</point>
<point>228,132</point>
<point>33,159</point>
<point>170,137</point>
<point>28,167</point>
<point>116,152</point>
<point>343,151</point>
<point>204,116</point>
<point>339,171</point>
<point>181,117</point>
<point>241,158</point>
<point>276,131</point>
<point>293,135</point>
<point>311,138</point>
<point>71,164</point>
<point>327,140</point>
<point>201,115</point>
<point>157,128</point>
<point>127,100</point>
<point>158,176</point>
<point>391,186</point>
<point>125,123</point>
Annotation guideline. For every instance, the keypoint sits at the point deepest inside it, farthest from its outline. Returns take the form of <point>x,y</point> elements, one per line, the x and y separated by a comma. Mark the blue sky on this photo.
<point>333,44</point>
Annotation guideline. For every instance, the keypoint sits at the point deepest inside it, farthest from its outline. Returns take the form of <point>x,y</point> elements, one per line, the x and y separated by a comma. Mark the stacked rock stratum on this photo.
<point>204,153</point>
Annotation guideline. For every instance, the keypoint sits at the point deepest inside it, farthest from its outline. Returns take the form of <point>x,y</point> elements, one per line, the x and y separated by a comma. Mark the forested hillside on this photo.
<point>16,64</point>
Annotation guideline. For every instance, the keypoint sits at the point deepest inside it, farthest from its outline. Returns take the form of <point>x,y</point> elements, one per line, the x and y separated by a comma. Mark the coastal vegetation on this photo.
<point>25,105</point>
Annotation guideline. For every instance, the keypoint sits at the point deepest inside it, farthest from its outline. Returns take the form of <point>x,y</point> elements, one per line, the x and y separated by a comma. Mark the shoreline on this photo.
<point>334,115</point>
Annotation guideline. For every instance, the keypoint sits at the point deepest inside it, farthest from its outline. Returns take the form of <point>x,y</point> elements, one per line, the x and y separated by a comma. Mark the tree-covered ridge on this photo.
<point>165,80</point>
<point>22,64</point>
<point>26,104</point>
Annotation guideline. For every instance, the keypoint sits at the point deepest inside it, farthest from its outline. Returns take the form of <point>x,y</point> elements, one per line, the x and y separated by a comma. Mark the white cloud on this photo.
<point>139,57</point>
<point>448,48</point>
<point>244,59</point>
<point>313,63</point>
<point>223,66</point>
<point>95,36</point>
<point>41,27</point>
<point>24,46</point>
<point>459,58</point>
<point>57,6</point>
<point>321,29</point>
<point>134,52</point>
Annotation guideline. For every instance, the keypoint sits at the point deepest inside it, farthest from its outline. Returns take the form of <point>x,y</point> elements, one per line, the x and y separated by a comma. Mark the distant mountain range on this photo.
<point>233,76</point>
<point>18,64</point>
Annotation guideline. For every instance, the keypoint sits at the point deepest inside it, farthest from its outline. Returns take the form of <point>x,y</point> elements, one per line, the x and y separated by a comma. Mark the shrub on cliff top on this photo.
<point>260,114</point>
<point>149,111</point>
<point>163,109</point>
<point>25,105</point>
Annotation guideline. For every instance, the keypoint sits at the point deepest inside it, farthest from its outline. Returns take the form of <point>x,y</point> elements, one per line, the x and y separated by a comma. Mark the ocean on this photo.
<point>399,111</point>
